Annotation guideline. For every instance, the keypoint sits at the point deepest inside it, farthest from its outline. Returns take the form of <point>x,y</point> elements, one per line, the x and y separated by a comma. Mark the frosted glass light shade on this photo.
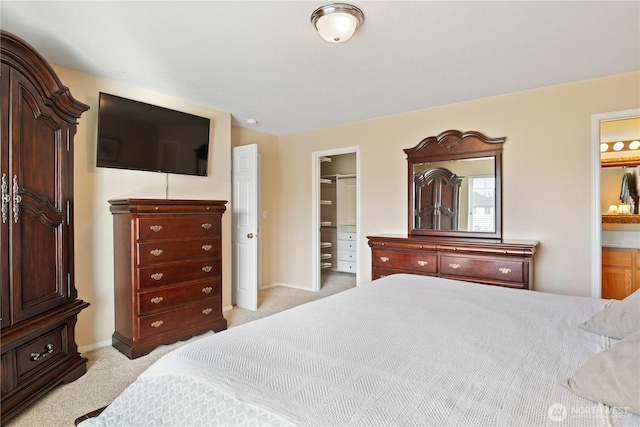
<point>337,22</point>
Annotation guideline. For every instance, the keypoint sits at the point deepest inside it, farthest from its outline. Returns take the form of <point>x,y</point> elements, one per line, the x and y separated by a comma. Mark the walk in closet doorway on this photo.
<point>335,213</point>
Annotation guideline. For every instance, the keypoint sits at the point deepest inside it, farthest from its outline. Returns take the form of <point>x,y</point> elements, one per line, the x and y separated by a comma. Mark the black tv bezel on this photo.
<point>150,106</point>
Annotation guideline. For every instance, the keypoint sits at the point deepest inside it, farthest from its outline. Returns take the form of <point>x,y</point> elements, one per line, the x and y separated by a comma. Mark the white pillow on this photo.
<point>619,320</point>
<point>611,377</point>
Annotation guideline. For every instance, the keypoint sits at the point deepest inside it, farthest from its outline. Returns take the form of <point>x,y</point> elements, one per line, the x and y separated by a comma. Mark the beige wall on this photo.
<point>95,186</point>
<point>546,158</point>
<point>546,167</point>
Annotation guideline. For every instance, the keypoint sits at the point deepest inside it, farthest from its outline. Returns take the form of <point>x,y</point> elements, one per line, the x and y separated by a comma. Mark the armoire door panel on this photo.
<point>38,147</point>
<point>37,203</point>
<point>39,277</point>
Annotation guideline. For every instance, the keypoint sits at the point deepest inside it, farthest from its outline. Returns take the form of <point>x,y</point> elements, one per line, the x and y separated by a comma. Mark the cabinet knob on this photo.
<point>207,268</point>
<point>504,270</point>
<point>384,258</point>
<point>422,263</point>
<point>207,247</point>
<point>156,228</point>
<point>157,323</point>
<point>207,310</point>
<point>454,266</point>
<point>156,252</point>
<point>207,290</point>
<point>206,226</point>
<point>157,276</point>
<point>157,300</point>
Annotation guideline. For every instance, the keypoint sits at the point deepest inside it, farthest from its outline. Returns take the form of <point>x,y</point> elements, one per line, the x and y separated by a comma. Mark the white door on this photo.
<point>244,238</point>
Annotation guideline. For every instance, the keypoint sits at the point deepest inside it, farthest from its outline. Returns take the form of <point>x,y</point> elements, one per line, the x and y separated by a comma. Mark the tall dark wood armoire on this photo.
<point>38,118</point>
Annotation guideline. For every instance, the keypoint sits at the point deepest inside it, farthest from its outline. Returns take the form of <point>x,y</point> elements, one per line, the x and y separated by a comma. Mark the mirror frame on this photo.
<point>455,145</point>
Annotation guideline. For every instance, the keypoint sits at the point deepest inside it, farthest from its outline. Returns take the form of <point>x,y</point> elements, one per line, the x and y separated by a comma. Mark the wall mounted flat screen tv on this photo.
<point>139,136</point>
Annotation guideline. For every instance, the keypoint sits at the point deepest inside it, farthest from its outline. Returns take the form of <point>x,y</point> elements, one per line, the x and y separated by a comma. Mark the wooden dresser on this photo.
<point>167,271</point>
<point>503,263</point>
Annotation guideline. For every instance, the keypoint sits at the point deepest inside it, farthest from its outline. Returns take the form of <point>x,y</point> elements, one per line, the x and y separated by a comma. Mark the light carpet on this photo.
<point>109,372</point>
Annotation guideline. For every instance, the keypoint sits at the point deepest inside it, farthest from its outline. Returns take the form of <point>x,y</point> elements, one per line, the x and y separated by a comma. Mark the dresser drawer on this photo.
<point>418,262</point>
<point>167,251</point>
<point>168,226</point>
<point>166,298</point>
<point>346,245</point>
<point>181,318</point>
<point>347,266</point>
<point>346,256</point>
<point>480,268</point>
<point>347,236</point>
<point>178,272</point>
<point>41,352</point>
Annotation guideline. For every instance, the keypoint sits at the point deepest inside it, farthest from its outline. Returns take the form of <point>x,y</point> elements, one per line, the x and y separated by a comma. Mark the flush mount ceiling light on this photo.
<point>337,22</point>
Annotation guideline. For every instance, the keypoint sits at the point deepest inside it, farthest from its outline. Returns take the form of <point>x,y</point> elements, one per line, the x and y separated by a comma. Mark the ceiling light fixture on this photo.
<point>337,22</point>
<point>618,146</point>
<point>634,145</point>
<point>604,147</point>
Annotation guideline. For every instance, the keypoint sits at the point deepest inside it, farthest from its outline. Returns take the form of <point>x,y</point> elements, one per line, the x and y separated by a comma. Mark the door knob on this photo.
<point>250,236</point>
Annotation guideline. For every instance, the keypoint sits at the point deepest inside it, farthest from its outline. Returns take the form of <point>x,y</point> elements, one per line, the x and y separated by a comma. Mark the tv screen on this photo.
<point>135,135</point>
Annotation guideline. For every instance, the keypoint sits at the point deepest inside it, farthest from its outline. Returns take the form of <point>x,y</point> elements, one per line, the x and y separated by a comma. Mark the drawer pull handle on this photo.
<point>207,310</point>
<point>206,226</point>
<point>422,263</point>
<point>157,276</point>
<point>207,268</point>
<point>157,323</point>
<point>48,349</point>
<point>207,247</point>
<point>156,228</point>
<point>454,266</point>
<point>207,290</point>
<point>504,270</point>
<point>157,300</point>
<point>156,252</point>
<point>384,258</point>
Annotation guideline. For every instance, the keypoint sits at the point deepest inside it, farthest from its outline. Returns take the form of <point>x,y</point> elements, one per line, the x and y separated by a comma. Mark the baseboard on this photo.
<point>95,346</point>
<point>285,285</point>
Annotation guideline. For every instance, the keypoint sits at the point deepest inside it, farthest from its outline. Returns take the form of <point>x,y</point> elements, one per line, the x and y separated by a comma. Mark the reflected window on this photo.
<point>482,203</point>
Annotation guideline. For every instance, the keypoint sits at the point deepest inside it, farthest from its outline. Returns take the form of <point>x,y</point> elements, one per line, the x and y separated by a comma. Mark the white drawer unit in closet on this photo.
<point>347,252</point>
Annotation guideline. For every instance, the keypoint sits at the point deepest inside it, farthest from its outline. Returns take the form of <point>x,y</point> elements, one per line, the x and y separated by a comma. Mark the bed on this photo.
<point>401,350</point>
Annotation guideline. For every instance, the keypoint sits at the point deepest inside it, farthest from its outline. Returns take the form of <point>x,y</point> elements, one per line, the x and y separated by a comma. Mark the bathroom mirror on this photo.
<point>454,182</point>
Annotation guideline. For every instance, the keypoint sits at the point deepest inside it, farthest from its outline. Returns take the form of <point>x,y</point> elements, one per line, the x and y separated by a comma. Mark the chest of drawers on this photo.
<point>347,252</point>
<point>167,271</point>
<point>501,263</point>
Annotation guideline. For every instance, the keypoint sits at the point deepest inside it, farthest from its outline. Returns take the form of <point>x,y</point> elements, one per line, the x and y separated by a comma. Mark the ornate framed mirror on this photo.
<point>455,186</point>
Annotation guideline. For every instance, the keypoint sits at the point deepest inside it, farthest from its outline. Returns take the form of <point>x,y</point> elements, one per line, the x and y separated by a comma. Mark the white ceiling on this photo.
<point>264,60</point>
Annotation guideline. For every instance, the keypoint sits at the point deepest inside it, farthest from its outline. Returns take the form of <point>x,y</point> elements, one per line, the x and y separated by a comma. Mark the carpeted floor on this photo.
<point>109,372</point>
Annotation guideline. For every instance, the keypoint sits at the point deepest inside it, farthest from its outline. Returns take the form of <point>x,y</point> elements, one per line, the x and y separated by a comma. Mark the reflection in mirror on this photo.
<point>457,195</point>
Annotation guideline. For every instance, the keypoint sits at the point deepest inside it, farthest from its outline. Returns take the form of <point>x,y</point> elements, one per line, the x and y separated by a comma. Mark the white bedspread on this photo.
<point>402,350</point>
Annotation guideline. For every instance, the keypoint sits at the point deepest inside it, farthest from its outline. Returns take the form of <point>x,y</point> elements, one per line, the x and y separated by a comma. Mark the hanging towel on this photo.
<point>628,187</point>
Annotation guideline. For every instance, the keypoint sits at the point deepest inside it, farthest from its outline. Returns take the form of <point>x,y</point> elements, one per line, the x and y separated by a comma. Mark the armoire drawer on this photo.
<point>420,263</point>
<point>482,268</point>
<point>181,318</point>
<point>169,227</point>
<point>165,298</point>
<point>40,352</point>
<point>178,272</point>
<point>167,251</point>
